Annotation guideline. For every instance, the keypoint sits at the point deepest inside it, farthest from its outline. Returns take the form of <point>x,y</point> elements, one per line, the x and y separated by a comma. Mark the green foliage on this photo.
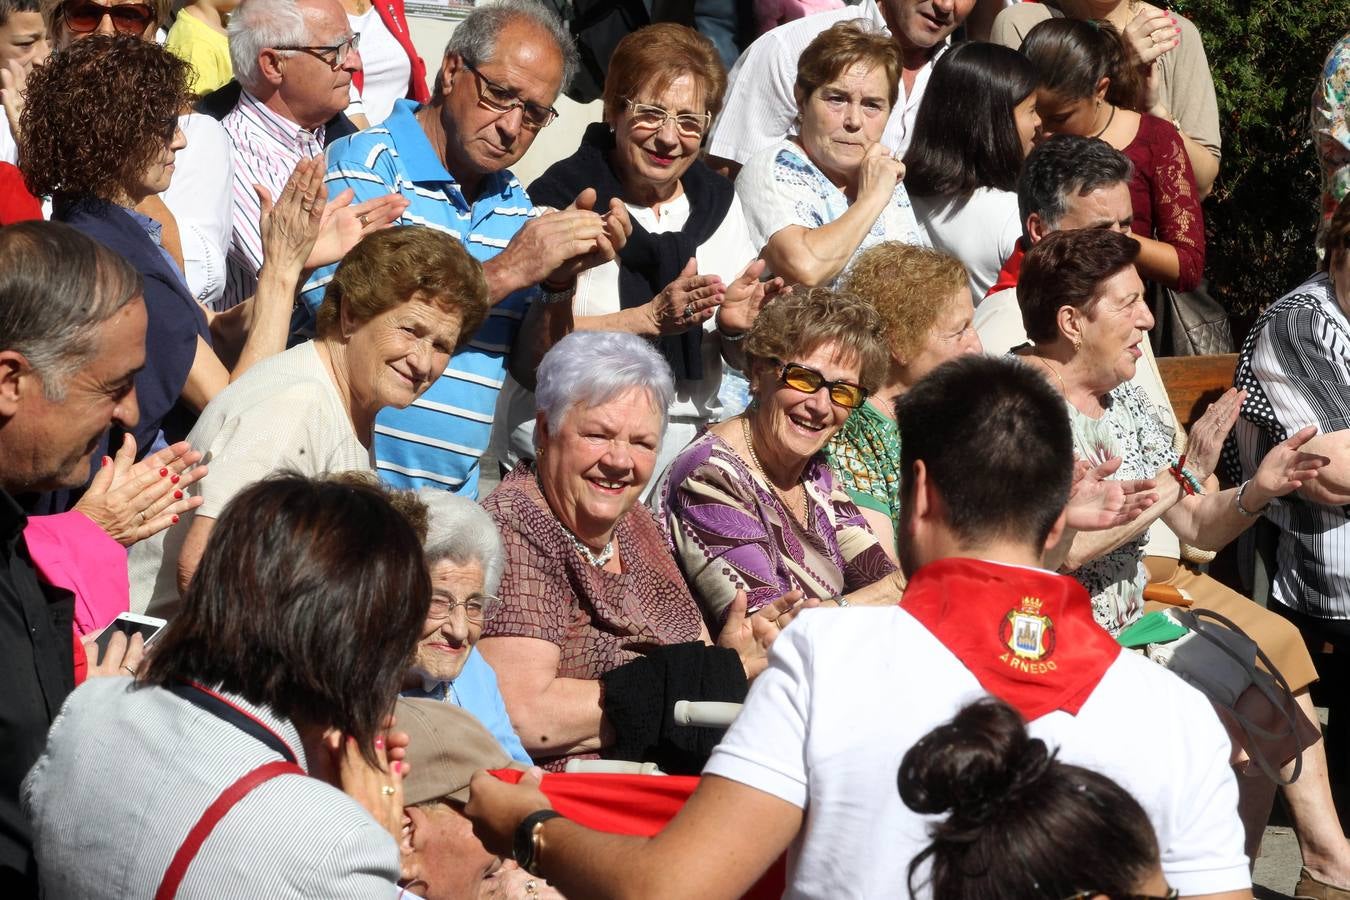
<point>1266,56</point>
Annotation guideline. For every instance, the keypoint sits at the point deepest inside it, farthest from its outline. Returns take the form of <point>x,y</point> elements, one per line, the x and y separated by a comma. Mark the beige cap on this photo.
<point>446,746</point>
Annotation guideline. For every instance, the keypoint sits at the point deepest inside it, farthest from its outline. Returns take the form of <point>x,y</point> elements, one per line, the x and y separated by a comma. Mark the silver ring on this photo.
<point>689,310</point>
<point>387,790</point>
<point>306,206</point>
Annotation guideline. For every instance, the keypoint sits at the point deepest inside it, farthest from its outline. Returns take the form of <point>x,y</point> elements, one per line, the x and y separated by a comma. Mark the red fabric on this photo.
<point>391,13</point>
<point>640,805</point>
<point>1165,197</point>
<point>187,851</point>
<point>16,204</point>
<point>1011,271</point>
<point>1028,636</point>
<point>81,660</point>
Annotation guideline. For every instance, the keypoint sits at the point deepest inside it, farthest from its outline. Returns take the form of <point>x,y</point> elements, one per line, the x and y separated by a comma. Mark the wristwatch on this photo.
<point>525,847</point>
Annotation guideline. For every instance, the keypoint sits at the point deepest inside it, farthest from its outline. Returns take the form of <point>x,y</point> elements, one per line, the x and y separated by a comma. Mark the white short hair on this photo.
<point>462,532</point>
<point>589,368</point>
<point>475,39</point>
<point>257,24</point>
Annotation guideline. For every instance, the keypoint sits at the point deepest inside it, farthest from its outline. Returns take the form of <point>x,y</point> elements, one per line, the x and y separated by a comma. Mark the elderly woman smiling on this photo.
<point>687,279</point>
<point>464,555</point>
<point>590,592</point>
<point>752,505</point>
<point>399,304</point>
<point>816,199</point>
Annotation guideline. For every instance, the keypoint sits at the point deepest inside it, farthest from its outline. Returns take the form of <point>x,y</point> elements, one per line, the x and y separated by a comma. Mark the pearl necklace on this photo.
<point>754,457</point>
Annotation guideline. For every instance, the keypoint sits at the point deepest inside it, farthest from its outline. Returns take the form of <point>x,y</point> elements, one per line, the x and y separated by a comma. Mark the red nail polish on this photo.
<point>107,461</point>
<point>379,743</point>
<point>175,520</point>
<point>178,495</point>
<point>173,479</point>
<point>398,767</point>
<point>163,472</point>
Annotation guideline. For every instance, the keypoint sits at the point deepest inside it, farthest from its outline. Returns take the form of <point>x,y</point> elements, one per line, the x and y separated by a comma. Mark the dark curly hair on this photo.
<point>97,114</point>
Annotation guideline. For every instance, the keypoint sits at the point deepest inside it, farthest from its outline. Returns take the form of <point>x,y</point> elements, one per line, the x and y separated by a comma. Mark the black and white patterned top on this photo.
<point>1295,367</point>
<point>1132,429</point>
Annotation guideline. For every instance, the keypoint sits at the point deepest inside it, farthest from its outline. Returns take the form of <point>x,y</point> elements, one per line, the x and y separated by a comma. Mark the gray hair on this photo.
<point>1063,167</point>
<point>258,24</point>
<point>589,368</point>
<point>462,532</point>
<point>475,39</point>
<point>57,287</point>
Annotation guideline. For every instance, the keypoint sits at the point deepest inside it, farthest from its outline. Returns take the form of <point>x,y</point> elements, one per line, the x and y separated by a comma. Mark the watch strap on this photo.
<point>524,845</point>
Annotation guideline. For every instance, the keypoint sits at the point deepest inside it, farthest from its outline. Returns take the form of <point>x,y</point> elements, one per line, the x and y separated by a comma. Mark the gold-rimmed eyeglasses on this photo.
<point>654,118</point>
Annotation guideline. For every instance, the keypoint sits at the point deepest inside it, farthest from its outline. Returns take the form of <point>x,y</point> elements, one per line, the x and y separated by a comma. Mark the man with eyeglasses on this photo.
<point>293,63</point>
<point>494,93</point>
<point>465,556</point>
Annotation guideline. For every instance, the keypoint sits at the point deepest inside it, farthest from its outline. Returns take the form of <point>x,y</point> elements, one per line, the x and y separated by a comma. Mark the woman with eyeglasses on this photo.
<point>597,628</point>
<point>687,280</point>
<point>752,505</point>
<point>464,556</point>
<point>1017,823</point>
<point>821,196</point>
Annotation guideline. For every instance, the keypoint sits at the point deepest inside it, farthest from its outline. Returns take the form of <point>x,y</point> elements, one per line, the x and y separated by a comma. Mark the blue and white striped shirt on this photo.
<point>439,440</point>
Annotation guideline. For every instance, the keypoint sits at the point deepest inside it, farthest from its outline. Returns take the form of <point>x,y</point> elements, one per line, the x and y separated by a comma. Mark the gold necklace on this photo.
<point>1063,388</point>
<point>754,457</point>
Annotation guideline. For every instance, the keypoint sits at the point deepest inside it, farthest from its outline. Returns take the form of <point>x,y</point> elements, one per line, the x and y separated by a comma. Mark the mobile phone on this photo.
<point>129,623</point>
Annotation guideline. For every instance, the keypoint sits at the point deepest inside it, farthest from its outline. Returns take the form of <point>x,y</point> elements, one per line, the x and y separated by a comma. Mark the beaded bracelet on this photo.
<point>1189,483</point>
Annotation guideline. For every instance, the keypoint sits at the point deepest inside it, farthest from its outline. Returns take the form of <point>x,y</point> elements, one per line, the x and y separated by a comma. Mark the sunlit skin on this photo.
<point>311,90</point>
<point>920,25</point>
<point>842,118</point>
<point>160,172</point>
<point>1082,116</point>
<point>650,162</point>
<point>1107,207</point>
<point>594,464</point>
<point>445,643</point>
<point>952,335</point>
<point>1028,121</point>
<point>49,443</point>
<point>790,426</point>
<point>1113,331</point>
<point>479,141</point>
<point>23,39</point>
<point>64,35</point>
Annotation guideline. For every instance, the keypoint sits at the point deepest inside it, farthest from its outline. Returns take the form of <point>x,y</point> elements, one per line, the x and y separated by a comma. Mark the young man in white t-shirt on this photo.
<point>810,766</point>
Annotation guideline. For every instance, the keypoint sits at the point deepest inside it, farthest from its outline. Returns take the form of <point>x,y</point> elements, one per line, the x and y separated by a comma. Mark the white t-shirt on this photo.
<point>726,253</point>
<point>9,149</point>
<point>780,186</point>
<point>200,198</point>
<point>847,693</point>
<point>760,107</point>
<point>385,65</point>
<point>284,413</point>
<point>982,232</point>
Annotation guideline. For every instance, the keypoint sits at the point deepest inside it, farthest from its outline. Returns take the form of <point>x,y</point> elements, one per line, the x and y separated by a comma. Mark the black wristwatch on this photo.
<point>525,848</point>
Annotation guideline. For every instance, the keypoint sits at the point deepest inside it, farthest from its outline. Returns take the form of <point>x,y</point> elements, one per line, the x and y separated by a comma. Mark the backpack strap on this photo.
<point>187,851</point>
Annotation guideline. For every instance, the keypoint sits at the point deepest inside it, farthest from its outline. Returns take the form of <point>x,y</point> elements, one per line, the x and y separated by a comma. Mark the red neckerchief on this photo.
<point>1028,636</point>
<point>1011,271</point>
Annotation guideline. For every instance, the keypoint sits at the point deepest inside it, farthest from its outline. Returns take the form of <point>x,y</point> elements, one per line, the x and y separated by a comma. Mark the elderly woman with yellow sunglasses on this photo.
<point>751,505</point>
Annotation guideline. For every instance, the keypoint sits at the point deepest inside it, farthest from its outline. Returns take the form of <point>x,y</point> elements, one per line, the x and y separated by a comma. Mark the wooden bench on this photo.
<point>1194,382</point>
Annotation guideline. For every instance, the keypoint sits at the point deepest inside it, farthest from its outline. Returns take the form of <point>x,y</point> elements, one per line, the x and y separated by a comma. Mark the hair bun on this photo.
<point>972,767</point>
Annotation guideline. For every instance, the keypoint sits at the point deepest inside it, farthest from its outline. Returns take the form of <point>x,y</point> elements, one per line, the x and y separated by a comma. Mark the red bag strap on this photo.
<point>187,851</point>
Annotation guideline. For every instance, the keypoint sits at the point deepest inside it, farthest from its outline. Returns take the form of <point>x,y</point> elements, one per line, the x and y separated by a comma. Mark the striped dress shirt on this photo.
<point>1295,367</point>
<point>439,440</point>
<point>128,771</point>
<point>266,148</point>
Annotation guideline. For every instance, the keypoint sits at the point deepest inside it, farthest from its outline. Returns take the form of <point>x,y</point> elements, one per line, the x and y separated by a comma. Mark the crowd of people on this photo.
<point>361,503</point>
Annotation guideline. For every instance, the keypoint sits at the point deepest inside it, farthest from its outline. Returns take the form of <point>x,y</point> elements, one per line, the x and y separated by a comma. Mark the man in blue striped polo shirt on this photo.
<point>502,71</point>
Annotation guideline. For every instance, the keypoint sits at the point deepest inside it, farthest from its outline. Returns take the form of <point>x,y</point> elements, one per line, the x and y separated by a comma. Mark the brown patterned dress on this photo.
<point>598,620</point>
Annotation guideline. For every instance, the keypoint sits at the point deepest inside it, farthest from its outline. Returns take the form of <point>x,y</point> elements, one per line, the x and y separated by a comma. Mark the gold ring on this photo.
<point>387,790</point>
<point>130,670</point>
<point>365,222</point>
